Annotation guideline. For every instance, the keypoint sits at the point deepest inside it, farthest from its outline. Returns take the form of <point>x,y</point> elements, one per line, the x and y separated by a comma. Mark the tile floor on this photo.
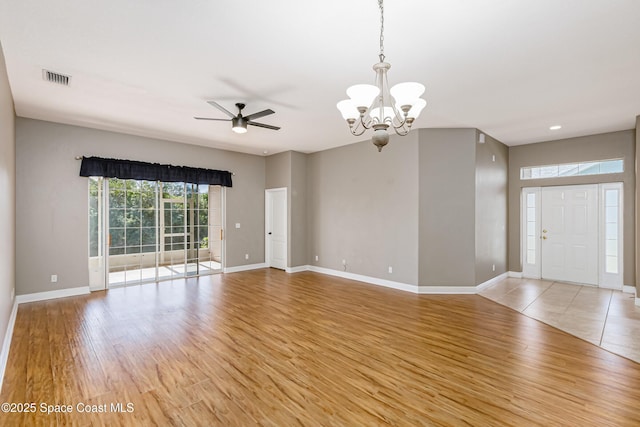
<point>609,319</point>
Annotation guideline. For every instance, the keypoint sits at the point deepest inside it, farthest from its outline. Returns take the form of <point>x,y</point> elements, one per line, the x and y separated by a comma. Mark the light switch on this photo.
<point>237,225</point>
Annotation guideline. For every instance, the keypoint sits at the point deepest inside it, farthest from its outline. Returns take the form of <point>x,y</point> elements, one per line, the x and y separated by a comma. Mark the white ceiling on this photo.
<point>511,68</point>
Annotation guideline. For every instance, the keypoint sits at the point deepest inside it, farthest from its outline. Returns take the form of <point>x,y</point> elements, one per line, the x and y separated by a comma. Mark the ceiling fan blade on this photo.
<point>262,125</point>
<point>209,118</point>
<point>221,108</point>
<point>259,114</point>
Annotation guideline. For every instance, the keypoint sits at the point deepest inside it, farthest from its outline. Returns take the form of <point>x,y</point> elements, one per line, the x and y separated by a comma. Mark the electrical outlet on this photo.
<point>493,267</point>
<point>54,278</point>
<point>246,256</point>
<point>13,293</point>
<point>316,257</point>
<point>344,262</point>
<point>390,269</point>
<point>237,225</point>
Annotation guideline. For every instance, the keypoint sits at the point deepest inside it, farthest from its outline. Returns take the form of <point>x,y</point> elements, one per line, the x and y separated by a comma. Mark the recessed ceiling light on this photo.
<point>555,127</point>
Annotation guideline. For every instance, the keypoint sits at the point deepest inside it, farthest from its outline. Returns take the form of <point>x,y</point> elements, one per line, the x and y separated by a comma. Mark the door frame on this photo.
<point>268,197</point>
<point>534,270</point>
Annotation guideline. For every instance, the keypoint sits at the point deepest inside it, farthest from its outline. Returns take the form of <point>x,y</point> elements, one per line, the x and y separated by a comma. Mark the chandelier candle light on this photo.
<point>379,107</point>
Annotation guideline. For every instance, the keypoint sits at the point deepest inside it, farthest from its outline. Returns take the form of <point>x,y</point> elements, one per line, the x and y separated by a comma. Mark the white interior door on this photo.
<point>569,238</point>
<point>276,228</point>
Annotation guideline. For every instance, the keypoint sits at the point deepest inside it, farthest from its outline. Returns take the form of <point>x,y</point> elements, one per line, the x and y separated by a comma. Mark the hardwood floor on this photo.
<point>269,348</point>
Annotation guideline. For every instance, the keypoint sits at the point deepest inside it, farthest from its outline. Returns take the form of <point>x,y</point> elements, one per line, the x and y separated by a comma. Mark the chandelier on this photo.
<point>378,107</point>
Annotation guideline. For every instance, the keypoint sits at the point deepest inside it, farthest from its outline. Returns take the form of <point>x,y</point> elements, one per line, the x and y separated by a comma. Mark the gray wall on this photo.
<point>463,207</point>
<point>492,163</point>
<point>278,170</point>
<point>594,147</point>
<point>298,242</point>
<point>289,169</point>
<point>363,208</point>
<point>51,225</point>
<point>447,212</point>
<point>7,200</point>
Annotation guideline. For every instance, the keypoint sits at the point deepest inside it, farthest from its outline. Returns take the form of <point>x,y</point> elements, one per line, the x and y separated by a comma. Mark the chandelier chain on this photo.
<point>381,30</point>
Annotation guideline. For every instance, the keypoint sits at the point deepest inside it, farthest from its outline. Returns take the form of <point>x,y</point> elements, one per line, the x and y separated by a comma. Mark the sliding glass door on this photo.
<point>152,231</point>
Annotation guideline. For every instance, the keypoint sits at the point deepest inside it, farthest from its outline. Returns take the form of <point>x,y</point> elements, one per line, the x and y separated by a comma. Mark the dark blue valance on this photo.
<point>131,169</point>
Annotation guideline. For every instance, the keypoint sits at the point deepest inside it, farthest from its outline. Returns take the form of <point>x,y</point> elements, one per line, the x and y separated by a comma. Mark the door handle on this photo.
<point>544,231</point>
<point>543,237</point>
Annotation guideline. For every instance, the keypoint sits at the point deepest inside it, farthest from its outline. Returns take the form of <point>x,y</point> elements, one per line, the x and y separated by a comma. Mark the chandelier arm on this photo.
<point>404,132</point>
<point>359,124</point>
<point>354,133</point>
<point>364,124</point>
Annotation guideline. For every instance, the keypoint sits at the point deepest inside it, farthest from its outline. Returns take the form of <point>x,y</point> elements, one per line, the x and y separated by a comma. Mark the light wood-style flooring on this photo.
<point>275,349</point>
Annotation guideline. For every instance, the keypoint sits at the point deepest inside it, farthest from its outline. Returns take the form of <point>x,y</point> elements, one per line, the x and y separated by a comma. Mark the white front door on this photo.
<point>569,233</point>
<point>276,228</point>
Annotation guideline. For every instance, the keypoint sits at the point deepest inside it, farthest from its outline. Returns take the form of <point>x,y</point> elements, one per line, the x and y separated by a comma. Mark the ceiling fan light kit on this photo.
<point>378,107</point>
<point>238,121</point>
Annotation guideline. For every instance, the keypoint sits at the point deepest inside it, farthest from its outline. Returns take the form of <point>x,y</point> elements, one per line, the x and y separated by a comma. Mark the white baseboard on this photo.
<point>490,282</point>
<point>629,289</point>
<point>515,274</point>
<point>247,267</point>
<point>6,343</point>
<point>367,279</point>
<point>297,269</point>
<point>58,293</point>
<point>447,290</point>
<point>465,290</point>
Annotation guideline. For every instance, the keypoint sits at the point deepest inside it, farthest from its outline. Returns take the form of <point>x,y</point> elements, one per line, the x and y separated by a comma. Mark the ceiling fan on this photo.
<point>240,122</point>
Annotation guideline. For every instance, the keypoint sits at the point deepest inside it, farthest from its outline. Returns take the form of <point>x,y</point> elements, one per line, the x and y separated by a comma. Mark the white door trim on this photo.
<point>267,224</point>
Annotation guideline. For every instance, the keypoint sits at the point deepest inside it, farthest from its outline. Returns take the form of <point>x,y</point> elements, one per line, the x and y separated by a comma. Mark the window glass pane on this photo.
<point>117,237</point>
<point>149,236</point>
<point>611,214</point>
<point>133,218</point>
<point>116,251</point>
<point>177,218</point>
<point>612,166</point>
<point>611,264</point>
<point>531,214</point>
<point>531,200</point>
<point>116,218</point>
<point>573,169</point>
<point>148,218</point>
<point>531,257</point>
<point>95,217</point>
<point>611,197</point>
<point>133,237</point>
<point>570,169</point>
<point>132,250</point>
<point>116,193</point>
<point>611,247</point>
<point>203,237</point>
<point>548,171</point>
<point>151,248</point>
<point>531,243</point>
<point>611,231</point>
<point>590,168</point>
<point>531,228</point>
<point>203,217</point>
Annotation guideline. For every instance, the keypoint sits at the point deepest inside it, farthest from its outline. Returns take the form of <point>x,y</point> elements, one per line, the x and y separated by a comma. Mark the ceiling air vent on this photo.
<point>53,77</point>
